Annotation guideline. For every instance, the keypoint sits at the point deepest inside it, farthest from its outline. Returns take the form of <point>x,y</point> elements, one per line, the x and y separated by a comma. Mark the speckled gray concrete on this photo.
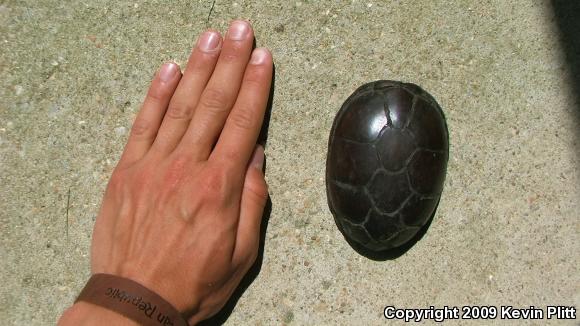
<point>507,229</point>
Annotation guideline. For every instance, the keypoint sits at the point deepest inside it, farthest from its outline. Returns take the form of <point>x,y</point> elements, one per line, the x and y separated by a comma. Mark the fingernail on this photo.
<point>258,158</point>
<point>168,72</point>
<point>208,41</point>
<point>258,56</point>
<point>239,30</point>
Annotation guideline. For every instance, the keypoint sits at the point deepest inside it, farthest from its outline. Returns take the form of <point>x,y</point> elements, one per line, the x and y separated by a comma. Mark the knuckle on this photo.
<point>258,190</point>
<point>120,181</point>
<point>141,127</point>
<point>179,111</point>
<point>157,93</point>
<point>229,57</point>
<point>176,169</point>
<point>254,76</point>
<point>232,53</point>
<point>231,156</point>
<point>201,62</point>
<point>244,118</point>
<point>117,179</point>
<point>215,186</point>
<point>130,182</point>
<point>247,258</point>
<point>214,100</point>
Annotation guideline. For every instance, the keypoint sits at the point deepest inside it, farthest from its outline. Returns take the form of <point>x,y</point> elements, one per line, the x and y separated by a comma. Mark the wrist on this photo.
<point>84,313</point>
<point>128,298</point>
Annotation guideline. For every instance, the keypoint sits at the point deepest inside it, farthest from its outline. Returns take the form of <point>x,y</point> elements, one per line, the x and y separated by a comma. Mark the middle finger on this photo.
<point>221,92</point>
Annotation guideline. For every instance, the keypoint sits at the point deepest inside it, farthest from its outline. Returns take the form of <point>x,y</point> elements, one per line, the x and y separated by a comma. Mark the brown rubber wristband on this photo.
<point>130,299</point>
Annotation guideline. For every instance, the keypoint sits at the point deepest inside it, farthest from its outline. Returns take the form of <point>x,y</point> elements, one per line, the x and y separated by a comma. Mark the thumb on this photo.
<point>254,197</point>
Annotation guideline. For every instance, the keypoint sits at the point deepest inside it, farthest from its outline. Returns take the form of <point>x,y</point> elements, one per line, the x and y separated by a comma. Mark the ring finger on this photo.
<point>181,108</point>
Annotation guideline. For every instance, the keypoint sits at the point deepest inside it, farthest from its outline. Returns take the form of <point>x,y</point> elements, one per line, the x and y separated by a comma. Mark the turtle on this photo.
<point>386,164</point>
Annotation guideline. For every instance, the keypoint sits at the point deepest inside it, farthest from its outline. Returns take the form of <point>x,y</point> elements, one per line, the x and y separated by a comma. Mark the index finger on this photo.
<point>238,137</point>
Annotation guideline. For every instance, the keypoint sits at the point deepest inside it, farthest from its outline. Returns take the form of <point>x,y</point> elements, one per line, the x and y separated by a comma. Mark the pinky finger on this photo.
<point>149,119</point>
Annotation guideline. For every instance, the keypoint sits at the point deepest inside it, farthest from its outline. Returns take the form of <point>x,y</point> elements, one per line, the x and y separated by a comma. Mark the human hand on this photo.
<point>181,213</point>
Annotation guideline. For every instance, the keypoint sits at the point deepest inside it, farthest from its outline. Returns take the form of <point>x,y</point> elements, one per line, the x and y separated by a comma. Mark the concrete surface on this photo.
<point>73,74</point>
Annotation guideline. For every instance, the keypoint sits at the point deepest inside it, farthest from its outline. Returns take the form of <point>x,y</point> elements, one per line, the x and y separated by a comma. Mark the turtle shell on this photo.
<point>386,164</point>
